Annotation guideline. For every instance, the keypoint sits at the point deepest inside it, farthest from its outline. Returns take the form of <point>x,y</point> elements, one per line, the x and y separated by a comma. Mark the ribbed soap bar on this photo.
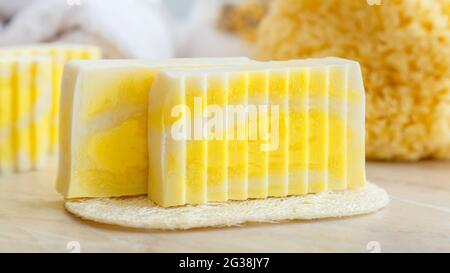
<point>60,54</point>
<point>25,109</point>
<point>255,131</point>
<point>104,142</point>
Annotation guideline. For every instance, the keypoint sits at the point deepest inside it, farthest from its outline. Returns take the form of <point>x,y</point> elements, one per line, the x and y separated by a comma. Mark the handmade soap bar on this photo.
<point>25,108</point>
<point>103,147</point>
<point>255,131</point>
<point>60,54</point>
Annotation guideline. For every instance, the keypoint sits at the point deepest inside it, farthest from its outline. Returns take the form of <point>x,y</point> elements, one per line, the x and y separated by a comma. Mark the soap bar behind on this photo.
<point>25,109</point>
<point>60,54</point>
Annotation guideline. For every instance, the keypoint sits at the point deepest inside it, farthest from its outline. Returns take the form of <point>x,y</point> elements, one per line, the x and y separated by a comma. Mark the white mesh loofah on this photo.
<point>138,212</point>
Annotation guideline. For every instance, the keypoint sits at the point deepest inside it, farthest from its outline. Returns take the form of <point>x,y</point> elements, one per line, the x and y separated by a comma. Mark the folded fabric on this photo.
<point>122,28</point>
<point>9,8</point>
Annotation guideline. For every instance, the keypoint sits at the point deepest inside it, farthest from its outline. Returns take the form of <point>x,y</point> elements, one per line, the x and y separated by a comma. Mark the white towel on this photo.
<point>8,8</point>
<point>122,28</point>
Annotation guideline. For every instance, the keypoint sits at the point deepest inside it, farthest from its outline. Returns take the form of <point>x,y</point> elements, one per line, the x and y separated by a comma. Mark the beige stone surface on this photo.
<point>33,218</point>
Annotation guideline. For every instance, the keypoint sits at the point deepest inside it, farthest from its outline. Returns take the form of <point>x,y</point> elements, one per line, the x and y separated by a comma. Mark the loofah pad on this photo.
<point>138,212</point>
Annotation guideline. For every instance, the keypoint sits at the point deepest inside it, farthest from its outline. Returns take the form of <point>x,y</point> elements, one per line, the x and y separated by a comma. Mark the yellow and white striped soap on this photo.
<point>25,110</point>
<point>60,54</point>
<point>308,123</point>
<point>104,143</point>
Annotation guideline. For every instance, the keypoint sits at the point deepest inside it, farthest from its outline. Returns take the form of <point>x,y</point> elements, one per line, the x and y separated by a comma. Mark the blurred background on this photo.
<point>403,47</point>
<point>126,28</point>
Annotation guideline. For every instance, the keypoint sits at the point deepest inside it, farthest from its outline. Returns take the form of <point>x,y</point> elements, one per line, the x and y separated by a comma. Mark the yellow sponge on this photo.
<point>404,49</point>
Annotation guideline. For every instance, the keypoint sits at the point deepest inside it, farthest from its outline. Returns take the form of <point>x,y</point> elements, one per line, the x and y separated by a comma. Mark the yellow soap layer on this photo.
<point>258,159</point>
<point>238,160</point>
<point>60,54</point>
<point>25,103</point>
<point>110,155</point>
<point>217,173</point>
<point>298,131</point>
<point>337,156</point>
<point>278,141</point>
<point>318,130</point>
<point>196,155</point>
<point>167,154</point>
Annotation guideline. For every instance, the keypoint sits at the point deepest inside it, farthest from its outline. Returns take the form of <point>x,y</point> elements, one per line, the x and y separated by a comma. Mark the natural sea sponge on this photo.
<point>243,18</point>
<point>404,49</point>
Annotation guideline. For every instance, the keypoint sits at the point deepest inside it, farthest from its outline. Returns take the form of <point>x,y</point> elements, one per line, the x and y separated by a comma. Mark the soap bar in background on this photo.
<point>103,147</point>
<point>25,110</point>
<point>60,54</point>
<point>309,138</point>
